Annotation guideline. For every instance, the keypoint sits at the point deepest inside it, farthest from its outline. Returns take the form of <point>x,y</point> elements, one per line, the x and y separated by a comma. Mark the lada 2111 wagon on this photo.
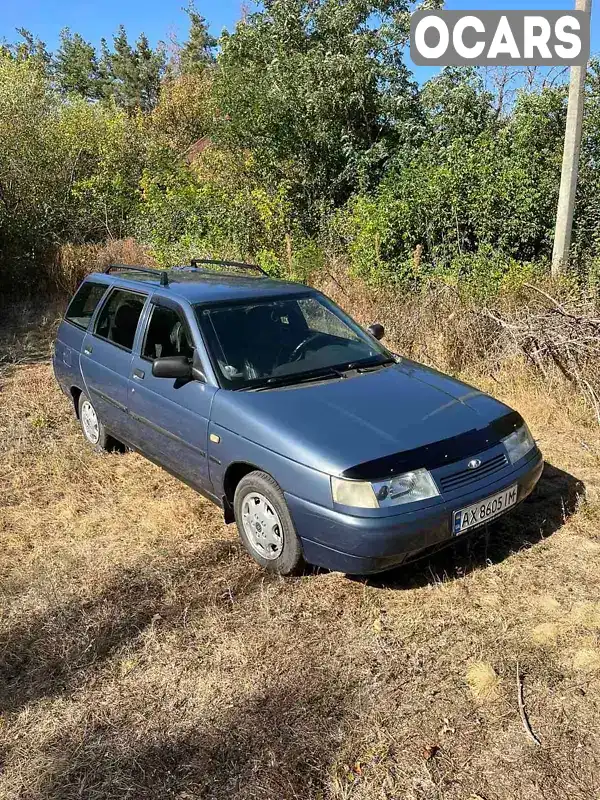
<point>323,446</point>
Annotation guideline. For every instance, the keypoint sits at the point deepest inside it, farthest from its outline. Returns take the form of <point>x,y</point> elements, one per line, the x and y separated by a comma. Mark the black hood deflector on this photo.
<point>438,454</point>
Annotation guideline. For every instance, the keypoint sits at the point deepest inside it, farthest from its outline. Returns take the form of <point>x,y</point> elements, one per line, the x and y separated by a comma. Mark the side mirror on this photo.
<point>377,331</point>
<point>176,367</point>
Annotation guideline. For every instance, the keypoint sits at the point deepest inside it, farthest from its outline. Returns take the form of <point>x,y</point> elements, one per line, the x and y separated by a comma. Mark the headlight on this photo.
<point>518,444</point>
<point>407,488</point>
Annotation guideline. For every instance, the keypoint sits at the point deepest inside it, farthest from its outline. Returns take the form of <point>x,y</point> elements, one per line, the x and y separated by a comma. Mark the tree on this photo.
<point>587,217</point>
<point>184,112</point>
<point>103,154</point>
<point>29,156</point>
<point>318,91</point>
<point>456,106</point>
<point>69,170</point>
<point>150,67</point>
<point>132,75</point>
<point>476,192</point>
<point>76,67</point>
<point>120,70</point>
<point>197,52</point>
<point>31,48</point>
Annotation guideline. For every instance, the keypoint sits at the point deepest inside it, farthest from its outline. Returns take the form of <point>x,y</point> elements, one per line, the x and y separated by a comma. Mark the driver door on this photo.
<point>171,416</point>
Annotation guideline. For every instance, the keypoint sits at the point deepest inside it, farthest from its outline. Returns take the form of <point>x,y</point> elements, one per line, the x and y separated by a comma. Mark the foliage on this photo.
<point>587,221</point>
<point>476,184</point>
<point>68,172</point>
<point>318,92</point>
<point>132,74</point>
<point>105,153</point>
<point>185,110</point>
<point>28,135</point>
<point>29,48</point>
<point>76,67</point>
<point>456,106</point>
<point>185,213</point>
<point>197,52</point>
<point>306,137</point>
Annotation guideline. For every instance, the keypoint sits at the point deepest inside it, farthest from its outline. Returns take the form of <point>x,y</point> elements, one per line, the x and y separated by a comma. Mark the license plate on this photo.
<point>484,510</point>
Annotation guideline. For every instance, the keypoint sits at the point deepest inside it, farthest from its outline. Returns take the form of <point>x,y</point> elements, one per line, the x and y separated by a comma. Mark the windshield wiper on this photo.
<point>328,373</point>
<point>363,366</point>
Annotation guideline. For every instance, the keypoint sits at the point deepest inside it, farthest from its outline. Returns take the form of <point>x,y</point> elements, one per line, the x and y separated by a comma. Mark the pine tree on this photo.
<point>76,67</point>
<point>104,70</point>
<point>150,66</point>
<point>132,75</point>
<point>31,48</point>
<point>122,71</point>
<point>198,51</point>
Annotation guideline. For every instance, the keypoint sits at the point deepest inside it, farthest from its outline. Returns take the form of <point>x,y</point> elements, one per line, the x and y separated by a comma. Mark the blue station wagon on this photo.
<point>322,445</point>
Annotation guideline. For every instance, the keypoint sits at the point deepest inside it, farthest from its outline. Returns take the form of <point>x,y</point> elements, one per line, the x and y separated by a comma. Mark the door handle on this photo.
<point>88,350</point>
<point>139,374</point>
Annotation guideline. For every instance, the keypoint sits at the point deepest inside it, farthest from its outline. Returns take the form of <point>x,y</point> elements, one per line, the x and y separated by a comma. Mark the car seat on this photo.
<point>124,325</point>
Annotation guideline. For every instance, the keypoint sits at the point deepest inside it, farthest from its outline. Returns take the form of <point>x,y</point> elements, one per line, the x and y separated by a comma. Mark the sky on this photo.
<point>165,19</point>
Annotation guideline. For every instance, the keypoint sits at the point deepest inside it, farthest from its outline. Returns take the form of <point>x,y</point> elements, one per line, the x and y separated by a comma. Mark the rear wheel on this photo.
<point>265,525</point>
<point>92,428</point>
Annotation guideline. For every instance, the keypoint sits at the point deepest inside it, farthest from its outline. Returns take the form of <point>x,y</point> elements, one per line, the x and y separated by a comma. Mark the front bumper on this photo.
<point>367,545</point>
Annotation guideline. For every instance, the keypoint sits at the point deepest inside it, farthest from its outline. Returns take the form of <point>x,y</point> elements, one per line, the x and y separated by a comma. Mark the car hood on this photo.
<point>333,426</point>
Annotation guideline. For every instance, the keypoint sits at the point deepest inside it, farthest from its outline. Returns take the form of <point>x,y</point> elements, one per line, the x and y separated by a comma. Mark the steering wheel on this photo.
<point>300,349</point>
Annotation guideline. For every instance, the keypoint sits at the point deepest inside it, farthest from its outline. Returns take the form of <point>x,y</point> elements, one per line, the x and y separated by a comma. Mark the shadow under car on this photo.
<point>544,512</point>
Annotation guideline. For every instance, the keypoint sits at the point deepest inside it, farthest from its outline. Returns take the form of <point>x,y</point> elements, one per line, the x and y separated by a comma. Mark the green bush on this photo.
<point>184,213</point>
<point>69,170</point>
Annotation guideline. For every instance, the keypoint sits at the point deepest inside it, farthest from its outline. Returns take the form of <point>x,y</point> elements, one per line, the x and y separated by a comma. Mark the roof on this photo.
<point>203,286</point>
<point>196,149</point>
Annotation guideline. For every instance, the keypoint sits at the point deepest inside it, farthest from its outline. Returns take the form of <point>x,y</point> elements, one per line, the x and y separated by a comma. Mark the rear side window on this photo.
<point>82,306</point>
<point>119,317</point>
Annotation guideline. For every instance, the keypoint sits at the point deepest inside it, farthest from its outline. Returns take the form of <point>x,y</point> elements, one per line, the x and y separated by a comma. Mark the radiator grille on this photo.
<point>464,477</point>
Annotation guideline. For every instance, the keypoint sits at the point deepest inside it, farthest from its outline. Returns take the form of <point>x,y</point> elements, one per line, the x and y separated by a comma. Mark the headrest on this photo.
<point>127,316</point>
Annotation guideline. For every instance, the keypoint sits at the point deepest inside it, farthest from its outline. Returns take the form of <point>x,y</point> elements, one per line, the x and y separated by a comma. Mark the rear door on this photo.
<point>171,416</point>
<point>106,357</point>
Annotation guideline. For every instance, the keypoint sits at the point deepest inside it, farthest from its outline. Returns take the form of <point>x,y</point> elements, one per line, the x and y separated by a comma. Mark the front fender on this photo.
<point>304,482</point>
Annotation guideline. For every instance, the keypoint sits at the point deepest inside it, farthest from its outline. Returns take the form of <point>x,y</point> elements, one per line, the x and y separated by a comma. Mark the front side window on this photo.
<point>118,320</point>
<point>82,306</point>
<point>167,335</point>
<point>283,340</point>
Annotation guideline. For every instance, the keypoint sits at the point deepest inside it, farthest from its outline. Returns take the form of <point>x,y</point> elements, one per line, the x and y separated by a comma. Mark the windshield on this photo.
<point>283,340</point>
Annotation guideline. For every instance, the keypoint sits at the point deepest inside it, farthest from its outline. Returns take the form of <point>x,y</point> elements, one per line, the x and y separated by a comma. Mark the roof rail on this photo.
<point>160,273</point>
<point>195,262</point>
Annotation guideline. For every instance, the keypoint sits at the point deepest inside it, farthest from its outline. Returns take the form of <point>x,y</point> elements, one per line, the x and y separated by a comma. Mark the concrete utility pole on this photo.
<point>570,167</point>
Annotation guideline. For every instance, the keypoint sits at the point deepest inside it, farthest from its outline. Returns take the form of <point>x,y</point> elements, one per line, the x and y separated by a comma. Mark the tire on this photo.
<point>265,525</point>
<point>93,430</point>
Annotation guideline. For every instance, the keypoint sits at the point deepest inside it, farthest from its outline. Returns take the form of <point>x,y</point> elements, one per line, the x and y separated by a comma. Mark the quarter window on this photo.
<point>82,306</point>
<point>119,317</point>
<point>167,335</point>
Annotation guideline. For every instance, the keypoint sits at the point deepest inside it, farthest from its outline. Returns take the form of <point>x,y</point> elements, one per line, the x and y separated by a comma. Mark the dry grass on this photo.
<point>553,328</point>
<point>144,655</point>
<point>483,681</point>
<point>71,263</point>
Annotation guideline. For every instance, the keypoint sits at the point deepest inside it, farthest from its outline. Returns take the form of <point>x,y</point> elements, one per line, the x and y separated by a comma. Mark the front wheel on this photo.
<point>265,525</point>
